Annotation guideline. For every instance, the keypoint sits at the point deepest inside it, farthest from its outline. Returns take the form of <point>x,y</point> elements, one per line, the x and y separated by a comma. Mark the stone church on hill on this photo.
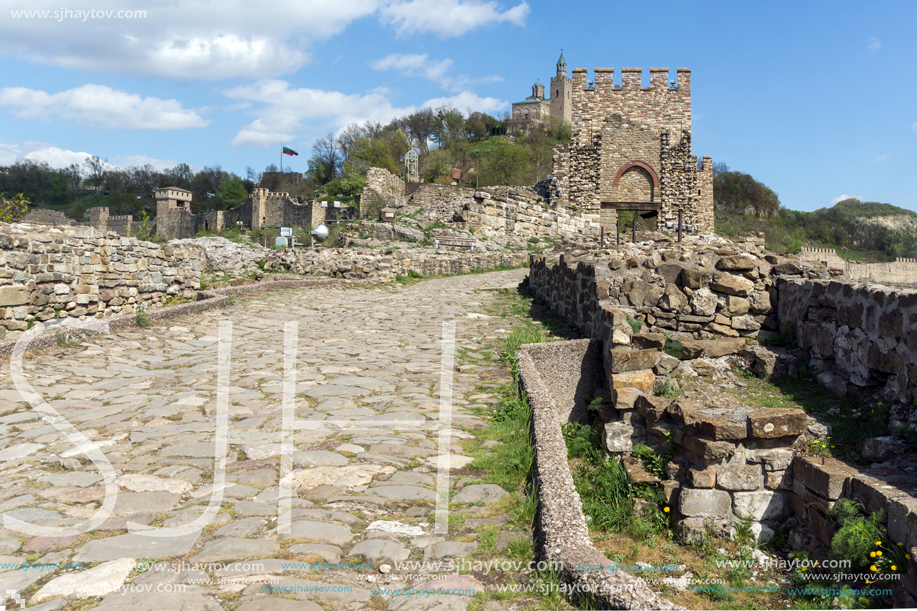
<point>537,107</point>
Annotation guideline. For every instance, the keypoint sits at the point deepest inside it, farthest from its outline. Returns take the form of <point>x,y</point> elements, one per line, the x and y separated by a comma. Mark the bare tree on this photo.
<point>348,136</point>
<point>326,150</point>
<point>252,175</point>
<point>96,170</point>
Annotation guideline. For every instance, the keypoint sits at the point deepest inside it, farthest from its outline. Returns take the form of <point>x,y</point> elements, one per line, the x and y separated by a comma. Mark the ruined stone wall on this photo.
<point>371,264</point>
<point>858,335</point>
<point>43,216</point>
<point>381,183</point>
<point>429,194</point>
<point>899,271</point>
<point>730,459</point>
<point>59,272</point>
<point>690,288</point>
<point>522,213</point>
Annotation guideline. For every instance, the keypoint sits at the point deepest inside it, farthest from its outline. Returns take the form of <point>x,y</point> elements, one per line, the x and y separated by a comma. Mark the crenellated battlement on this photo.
<point>816,251</point>
<point>631,81</point>
<point>270,195</point>
<point>904,260</point>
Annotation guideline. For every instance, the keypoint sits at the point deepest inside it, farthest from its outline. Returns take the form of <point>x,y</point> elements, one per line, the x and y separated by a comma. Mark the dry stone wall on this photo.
<point>58,272</point>
<point>385,265</point>
<point>899,271</point>
<point>858,336</point>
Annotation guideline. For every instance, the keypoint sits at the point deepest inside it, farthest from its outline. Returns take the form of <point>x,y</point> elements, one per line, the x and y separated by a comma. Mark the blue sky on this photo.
<point>814,99</point>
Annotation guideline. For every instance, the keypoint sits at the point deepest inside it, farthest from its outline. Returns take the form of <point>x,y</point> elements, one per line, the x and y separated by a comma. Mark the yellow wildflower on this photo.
<point>894,568</point>
<point>878,543</point>
<point>873,568</point>
<point>872,554</point>
<point>878,553</point>
<point>907,556</point>
<point>666,510</point>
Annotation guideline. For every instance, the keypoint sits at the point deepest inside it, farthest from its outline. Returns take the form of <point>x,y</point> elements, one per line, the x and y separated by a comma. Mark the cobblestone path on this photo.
<point>364,462</point>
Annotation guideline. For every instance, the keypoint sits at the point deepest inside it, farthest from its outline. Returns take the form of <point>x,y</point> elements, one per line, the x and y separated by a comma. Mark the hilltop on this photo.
<point>863,231</point>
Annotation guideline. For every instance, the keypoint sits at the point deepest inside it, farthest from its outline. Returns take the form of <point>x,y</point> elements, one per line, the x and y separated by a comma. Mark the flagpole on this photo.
<point>281,156</point>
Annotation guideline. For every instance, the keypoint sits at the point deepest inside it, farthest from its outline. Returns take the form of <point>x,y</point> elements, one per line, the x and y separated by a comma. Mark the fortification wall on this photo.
<point>43,216</point>
<point>858,335</point>
<point>632,145</point>
<point>370,264</point>
<point>899,271</point>
<point>78,272</point>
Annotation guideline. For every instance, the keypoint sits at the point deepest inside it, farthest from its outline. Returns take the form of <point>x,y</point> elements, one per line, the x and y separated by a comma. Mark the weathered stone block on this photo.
<point>778,480</point>
<point>641,380</point>
<point>705,478</point>
<point>770,423</point>
<point>621,436</point>
<point>712,348</point>
<point>621,361</point>
<point>646,340</point>
<point>14,295</point>
<point>625,398</point>
<point>774,459</point>
<point>708,450</point>
<point>694,278</point>
<point>732,285</point>
<point>760,505</point>
<point>651,407</point>
<point>720,423</point>
<point>739,477</point>
<point>736,263</point>
<point>736,306</point>
<point>823,476</point>
<point>704,503</point>
<point>902,520</point>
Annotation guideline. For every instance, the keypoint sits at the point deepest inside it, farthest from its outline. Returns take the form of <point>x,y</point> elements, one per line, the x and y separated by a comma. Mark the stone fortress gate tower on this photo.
<point>631,150</point>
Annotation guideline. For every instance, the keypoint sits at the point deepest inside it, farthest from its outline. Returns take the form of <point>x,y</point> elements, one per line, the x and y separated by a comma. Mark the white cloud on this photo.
<point>291,114</point>
<point>841,198</point>
<point>61,158</point>
<point>288,109</point>
<point>40,151</point>
<point>199,39</point>
<point>874,45</point>
<point>100,106</point>
<point>413,65</point>
<point>126,161</point>
<point>881,158</point>
<point>914,128</point>
<point>450,17</point>
<point>422,66</point>
<point>468,101</point>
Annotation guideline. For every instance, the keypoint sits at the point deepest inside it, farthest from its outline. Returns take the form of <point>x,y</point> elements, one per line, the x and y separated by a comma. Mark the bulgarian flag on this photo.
<point>290,152</point>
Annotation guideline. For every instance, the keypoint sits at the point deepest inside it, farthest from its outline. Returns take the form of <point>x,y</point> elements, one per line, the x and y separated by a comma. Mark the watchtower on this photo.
<point>561,92</point>
<point>172,204</point>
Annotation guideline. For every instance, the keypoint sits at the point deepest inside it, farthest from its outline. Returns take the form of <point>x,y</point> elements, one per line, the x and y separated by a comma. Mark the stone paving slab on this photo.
<point>364,463</point>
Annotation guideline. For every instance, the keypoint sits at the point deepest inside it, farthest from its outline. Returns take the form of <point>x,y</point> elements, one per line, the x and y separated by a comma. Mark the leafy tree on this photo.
<point>232,192</point>
<point>737,190</point>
